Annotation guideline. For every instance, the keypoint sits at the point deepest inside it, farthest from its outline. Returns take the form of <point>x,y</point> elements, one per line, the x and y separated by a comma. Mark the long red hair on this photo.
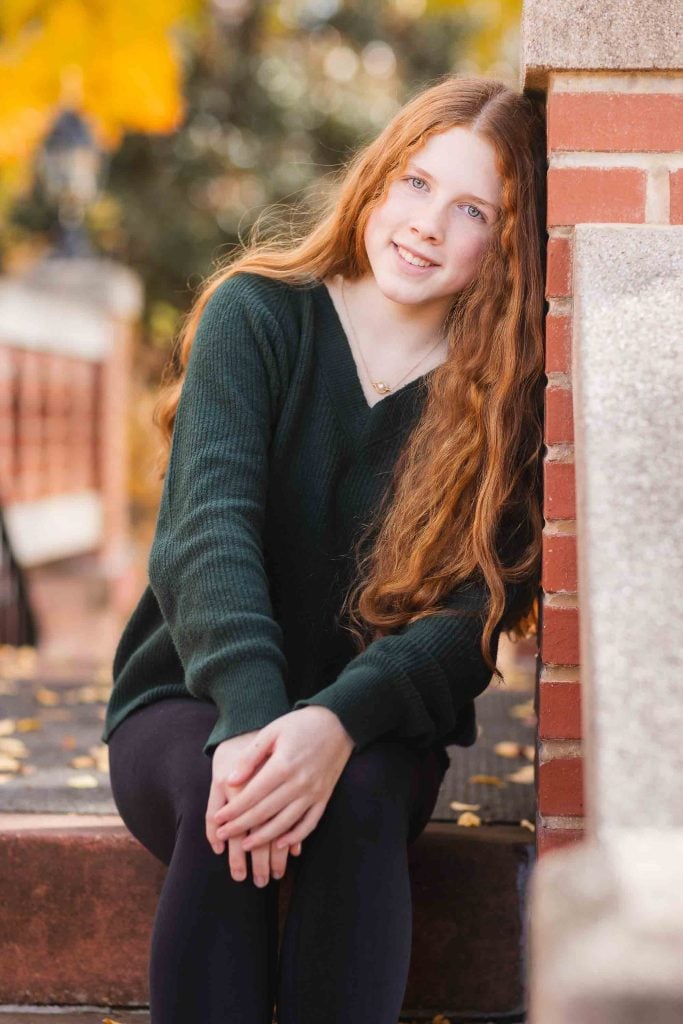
<point>465,498</point>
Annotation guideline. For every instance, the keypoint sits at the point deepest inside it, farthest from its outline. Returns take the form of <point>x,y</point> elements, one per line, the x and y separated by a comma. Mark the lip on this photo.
<point>409,267</point>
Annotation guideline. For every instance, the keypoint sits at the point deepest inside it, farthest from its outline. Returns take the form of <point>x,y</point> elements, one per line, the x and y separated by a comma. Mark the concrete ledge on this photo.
<point>565,35</point>
<point>80,895</point>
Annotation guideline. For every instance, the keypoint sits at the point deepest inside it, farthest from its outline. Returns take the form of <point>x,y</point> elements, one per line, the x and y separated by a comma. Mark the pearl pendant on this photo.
<point>381,387</point>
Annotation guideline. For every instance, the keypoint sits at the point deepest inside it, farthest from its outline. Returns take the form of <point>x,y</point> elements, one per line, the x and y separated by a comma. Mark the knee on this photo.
<point>375,786</point>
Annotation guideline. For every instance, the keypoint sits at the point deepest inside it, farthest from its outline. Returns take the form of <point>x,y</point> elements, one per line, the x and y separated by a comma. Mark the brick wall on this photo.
<point>614,142</point>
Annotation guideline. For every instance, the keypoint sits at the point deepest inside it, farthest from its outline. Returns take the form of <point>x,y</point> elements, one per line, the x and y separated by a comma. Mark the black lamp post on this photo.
<point>69,168</point>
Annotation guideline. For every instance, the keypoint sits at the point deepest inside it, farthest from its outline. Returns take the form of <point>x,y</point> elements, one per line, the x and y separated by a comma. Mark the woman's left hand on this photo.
<point>302,754</point>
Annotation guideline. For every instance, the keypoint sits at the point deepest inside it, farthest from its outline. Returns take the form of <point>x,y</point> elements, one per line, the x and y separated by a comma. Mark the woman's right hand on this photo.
<point>266,860</point>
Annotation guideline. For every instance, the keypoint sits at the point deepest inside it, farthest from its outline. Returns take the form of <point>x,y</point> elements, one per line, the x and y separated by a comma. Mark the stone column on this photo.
<point>607,914</point>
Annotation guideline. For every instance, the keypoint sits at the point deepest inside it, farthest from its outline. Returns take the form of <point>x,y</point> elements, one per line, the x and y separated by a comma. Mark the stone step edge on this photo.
<point>15,822</point>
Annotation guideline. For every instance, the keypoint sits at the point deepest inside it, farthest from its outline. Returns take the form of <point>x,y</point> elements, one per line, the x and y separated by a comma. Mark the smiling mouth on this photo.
<point>409,257</point>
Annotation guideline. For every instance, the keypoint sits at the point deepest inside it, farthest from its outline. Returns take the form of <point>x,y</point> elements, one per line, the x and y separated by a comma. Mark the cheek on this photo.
<point>470,249</point>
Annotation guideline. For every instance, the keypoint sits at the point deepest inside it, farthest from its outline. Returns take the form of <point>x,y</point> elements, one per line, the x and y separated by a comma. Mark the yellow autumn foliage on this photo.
<point>491,24</point>
<point>116,60</point>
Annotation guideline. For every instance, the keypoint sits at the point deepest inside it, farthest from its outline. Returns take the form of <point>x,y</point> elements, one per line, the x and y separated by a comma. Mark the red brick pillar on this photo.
<point>615,132</point>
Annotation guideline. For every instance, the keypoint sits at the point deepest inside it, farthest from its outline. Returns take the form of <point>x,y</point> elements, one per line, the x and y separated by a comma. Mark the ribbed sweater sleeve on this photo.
<point>206,564</point>
<point>412,684</point>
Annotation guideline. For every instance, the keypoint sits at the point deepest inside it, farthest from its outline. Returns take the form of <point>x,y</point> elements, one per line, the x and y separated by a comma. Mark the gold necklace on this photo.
<point>380,386</point>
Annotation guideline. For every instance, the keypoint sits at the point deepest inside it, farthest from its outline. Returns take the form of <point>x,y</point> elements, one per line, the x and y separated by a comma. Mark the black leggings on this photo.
<point>346,942</point>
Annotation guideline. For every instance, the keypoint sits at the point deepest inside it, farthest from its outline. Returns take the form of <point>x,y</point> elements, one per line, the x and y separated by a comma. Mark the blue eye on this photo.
<point>478,215</point>
<point>422,183</point>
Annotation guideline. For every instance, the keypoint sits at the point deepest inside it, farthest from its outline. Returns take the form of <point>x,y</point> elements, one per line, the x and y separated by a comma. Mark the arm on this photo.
<point>412,684</point>
<point>206,563</point>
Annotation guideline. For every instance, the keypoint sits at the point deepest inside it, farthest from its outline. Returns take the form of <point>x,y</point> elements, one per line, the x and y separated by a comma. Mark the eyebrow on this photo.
<point>420,172</point>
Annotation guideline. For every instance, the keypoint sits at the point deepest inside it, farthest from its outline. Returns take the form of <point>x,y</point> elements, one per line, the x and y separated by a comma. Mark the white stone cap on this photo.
<point>590,35</point>
<point>607,927</point>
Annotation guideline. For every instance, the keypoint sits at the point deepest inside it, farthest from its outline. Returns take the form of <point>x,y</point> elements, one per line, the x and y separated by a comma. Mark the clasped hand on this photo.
<point>275,785</point>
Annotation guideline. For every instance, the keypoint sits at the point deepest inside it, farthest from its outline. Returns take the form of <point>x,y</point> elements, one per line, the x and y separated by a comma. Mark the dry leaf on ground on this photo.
<point>13,746</point>
<point>82,782</point>
<point>9,764</point>
<point>7,726</point>
<point>524,775</point>
<point>525,823</point>
<point>508,748</point>
<point>48,698</point>
<point>100,755</point>
<point>29,725</point>
<point>467,818</point>
<point>456,805</point>
<point>487,780</point>
<point>82,761</point>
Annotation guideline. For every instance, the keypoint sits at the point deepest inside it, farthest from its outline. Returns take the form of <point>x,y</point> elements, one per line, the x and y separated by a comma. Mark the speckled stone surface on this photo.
<point>600,34</point>
<point>607,932</point>
<point>628,409</point>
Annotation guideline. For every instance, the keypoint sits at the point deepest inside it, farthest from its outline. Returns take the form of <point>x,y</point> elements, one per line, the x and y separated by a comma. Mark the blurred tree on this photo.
<point>215,109</point>
<point>212,111</point>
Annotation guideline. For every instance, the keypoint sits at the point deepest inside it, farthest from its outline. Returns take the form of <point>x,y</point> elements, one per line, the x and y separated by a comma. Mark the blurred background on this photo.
<point>139,143</point>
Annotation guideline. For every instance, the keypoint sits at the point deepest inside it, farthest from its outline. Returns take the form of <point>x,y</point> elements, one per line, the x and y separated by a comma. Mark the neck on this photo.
<point>413,327</point>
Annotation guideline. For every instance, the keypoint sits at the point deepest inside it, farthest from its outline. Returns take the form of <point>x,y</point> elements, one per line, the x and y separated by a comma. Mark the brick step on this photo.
<point>80,893</point>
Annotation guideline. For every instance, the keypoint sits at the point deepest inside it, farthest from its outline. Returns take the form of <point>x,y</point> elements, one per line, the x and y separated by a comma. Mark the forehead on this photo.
<point>460,158</point>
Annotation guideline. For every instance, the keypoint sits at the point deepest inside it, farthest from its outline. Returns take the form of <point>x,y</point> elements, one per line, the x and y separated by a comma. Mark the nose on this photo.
<point>428,222</point>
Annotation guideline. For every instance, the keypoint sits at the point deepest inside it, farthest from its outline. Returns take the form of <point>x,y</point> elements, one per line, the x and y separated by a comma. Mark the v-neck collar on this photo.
<point>365,424</point>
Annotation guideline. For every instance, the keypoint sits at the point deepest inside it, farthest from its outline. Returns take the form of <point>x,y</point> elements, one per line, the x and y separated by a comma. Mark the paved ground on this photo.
<point>52,759</point>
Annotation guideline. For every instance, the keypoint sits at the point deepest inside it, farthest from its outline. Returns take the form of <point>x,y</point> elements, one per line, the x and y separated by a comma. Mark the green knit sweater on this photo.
<point>276,464</point>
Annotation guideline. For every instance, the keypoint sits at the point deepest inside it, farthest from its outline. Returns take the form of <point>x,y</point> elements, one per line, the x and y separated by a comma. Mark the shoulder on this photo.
<point>266,300</point>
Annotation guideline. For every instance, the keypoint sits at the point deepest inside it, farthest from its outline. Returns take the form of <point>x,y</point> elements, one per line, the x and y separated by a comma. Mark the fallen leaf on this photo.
<point>101,757</point>
<point>508,748</point>
<point>5,778</point>
<point>68,742</point>
<point>525,823</point>
<point>13,746</point>
<point>524,775</point>
<point>82,761</point>
<point>530,752</point>
<point>9,764</point>
<point>525,710</point>
<point>467,818</point>
<point>455,805</point>
<point>29,725</point>
<point>82,782</point>
<point>440,1019</point>
<point>48,698</point>
<point>7,726</point>
<point>487,780</point>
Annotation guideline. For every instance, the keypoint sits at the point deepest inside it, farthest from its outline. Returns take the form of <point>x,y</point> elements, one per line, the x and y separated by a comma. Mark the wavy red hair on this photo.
<point>465,499</point>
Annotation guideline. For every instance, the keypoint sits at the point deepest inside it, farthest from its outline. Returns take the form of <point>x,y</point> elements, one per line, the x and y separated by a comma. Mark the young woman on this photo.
<point>350,517</point>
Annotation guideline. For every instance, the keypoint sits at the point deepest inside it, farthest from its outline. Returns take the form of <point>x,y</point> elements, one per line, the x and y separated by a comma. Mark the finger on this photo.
<point>251,757</point>
<point>260,866</point>
<point>278,861</point>
<point>237,860</point>
<point>277,826</point>
<point>303,828</point>
<point>295,850</point>
<point>257,815</point>
<point>215,802</point>
<point>271,776</point>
